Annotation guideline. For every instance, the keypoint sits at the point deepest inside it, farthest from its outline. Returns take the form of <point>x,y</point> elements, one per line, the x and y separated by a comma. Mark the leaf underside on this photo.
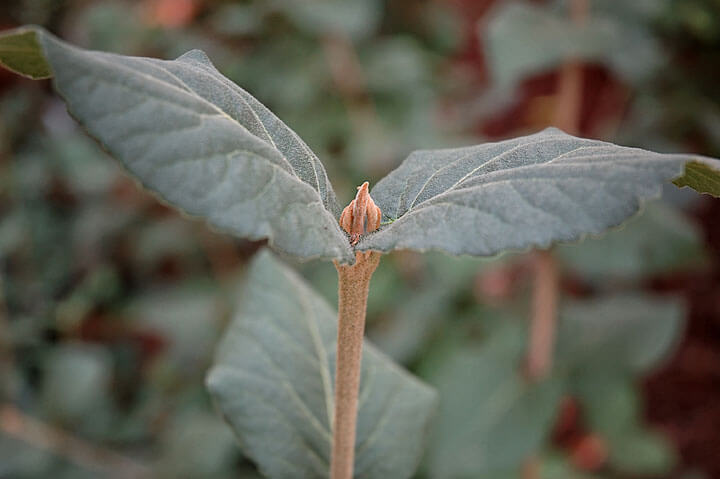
<point>529,191</point>
<point>273,381</point>
<point>202,143</point>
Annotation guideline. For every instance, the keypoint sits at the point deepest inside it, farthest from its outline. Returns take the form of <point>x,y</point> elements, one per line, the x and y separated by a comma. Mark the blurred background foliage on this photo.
<point>111,304</point>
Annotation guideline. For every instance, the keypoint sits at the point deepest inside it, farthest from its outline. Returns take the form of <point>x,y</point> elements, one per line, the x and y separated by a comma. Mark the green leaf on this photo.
<point>76,383</point>
<point>643,453</point>
<point>204,144</point>
<point>347,17</point>
<point>273,375</point>
<point>701,176</point>
<point>628,333</point>
<point>524,39</point>
<point>490,419</point>
<point>609,402</point>
<point>529,191</point>
<point>198,444</point>
<point>21,53</point>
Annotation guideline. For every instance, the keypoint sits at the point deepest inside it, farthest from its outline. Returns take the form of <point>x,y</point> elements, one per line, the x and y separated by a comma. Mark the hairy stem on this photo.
<point>353,287</point>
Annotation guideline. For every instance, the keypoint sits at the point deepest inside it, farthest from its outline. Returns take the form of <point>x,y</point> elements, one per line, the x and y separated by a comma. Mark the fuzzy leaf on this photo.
<point>529,191</point>
<point>273,377</point>
<point>201,142</point>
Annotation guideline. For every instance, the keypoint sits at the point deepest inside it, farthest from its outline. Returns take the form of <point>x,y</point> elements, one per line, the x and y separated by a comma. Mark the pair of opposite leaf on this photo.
<point>208,147</point>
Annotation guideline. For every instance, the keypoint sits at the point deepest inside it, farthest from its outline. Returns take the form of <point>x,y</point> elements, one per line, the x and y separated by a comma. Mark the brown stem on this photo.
<point>569,98</point>
<point>353,287</point>
<point>544,316</point>
<point>570,90</point>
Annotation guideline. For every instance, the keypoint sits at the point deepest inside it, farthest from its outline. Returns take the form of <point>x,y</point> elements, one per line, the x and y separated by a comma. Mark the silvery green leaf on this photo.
<point>523,39</point>
<point>202,143</point>
<point>528,191</point>
<point>273,381</point>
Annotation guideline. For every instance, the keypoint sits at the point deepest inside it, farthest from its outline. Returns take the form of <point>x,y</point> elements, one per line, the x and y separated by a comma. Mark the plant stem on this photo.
<point>568,111</point>
<point>544,316</point>
<point>353,287</point>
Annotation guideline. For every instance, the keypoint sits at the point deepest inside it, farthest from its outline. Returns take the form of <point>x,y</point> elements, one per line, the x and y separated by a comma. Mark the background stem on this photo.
<point>544,316</point>
<point>568,111</point>
<point>353,287</point>
<point>543,325</point>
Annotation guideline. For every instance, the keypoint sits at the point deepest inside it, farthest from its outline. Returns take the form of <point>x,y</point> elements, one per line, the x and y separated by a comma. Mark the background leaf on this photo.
<point>490,419</point>
<point>204,144</point>
<point>529,191</point>
<point>523,39</point>
<point>630,332</point>
<point>272,380</point>
<point>660,240</point>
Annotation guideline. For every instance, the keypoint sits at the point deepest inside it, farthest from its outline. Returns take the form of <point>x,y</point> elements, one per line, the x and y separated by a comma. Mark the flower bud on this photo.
<point>361,216</point>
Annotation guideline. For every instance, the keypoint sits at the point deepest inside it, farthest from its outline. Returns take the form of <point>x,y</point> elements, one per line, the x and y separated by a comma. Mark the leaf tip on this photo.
<point>21,52</point>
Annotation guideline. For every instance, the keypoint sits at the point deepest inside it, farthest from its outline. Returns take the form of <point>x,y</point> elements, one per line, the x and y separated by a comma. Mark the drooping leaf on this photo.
<point>201,142</point>
<point>273,381</point>
<point>528,191</point>
<point>21,53</point>
<point>702,177</point>
<point>523,39</point>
